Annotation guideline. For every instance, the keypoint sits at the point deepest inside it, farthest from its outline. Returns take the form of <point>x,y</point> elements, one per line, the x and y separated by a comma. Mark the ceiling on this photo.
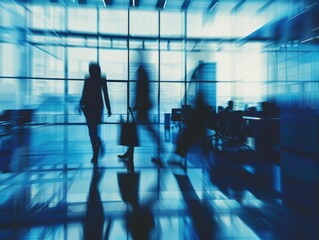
<point>221,6</point>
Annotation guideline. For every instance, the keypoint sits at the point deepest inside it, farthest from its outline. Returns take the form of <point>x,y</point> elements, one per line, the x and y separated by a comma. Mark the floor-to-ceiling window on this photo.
<point>59,42</point>
<point>172,61</point>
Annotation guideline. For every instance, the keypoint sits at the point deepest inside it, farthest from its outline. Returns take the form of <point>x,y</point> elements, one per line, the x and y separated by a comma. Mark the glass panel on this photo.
<point>172,66</point>
<point>169,29</point>
<point>12,15</point>
<point>224,66</point>
<point>249,75</point>
<point>82,19</point>
<point>48,98</point>
<point>222,25</point>
<point>223,93</point>
<point>118,99</point>
<point>143,23</point>
<point>172,95</point>
<point>113,21</point>
<point>247,93</point>
<point>208,25</point>
<point>243,25</point>
<point>9,65</point>
<point>78,61</point>
<point>114,63</point>
<point>14,62</point>
<point>9,93</point>
<point>74,96</point>
<point>47,17</point>
<point>48,61</point>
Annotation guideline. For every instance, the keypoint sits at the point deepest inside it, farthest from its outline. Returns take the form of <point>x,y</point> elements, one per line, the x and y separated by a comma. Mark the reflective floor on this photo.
<point>53,192</point>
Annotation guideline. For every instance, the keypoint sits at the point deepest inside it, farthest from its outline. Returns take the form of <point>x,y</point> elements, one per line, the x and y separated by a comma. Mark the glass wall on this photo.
<point>113,21</point>
<point>82,19</point>
<point>293,74</point>
<point>143,23</point>
<point>47,18</point>
<point>172,86</point>
<point>14,85</point>
<point>169,29</point>
<point>58,43</point>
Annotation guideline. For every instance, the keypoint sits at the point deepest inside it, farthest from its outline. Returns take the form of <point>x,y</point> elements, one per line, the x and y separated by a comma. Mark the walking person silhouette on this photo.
<point>142,106</point>
<point>91,104</point>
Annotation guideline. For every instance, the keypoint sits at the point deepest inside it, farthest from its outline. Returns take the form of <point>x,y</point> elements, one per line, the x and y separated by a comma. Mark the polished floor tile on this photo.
<point>54,192</point>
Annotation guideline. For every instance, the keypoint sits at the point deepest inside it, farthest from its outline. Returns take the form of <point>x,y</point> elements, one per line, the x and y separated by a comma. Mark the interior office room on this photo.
<point>212,128</point>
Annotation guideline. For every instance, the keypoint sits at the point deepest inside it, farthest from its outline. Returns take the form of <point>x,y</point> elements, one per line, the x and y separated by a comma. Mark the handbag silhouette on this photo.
<point>129,135</point>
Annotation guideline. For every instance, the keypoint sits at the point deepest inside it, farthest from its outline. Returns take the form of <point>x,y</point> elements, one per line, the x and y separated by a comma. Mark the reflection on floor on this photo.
<point>54,192</point>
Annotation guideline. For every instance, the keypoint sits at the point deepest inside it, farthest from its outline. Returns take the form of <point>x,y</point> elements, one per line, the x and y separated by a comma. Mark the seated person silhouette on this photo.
<point>224,120</point>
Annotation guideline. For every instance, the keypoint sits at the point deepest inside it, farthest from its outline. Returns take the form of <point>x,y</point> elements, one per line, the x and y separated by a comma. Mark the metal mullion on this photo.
<point>159,71</point>
<point>185,57</point>
<point>66,86</point>
<point>128,59</point>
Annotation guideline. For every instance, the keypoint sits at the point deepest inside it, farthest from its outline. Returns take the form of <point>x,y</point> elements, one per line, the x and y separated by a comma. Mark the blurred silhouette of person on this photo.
<point>220,108</point>
<point>91,104</point>
<point>230,106</point>
<point>195,130</point>
<point>225,120</point>
<point>143,105</point>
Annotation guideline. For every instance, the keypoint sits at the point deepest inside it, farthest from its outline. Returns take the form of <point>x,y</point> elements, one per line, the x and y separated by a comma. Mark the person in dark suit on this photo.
<point>91,104</point>
<point>142,107</point>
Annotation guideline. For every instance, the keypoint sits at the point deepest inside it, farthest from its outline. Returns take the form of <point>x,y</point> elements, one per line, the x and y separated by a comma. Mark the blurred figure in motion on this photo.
<point>195,131</point>
<point>91,104</point>
<point>142,106</point>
